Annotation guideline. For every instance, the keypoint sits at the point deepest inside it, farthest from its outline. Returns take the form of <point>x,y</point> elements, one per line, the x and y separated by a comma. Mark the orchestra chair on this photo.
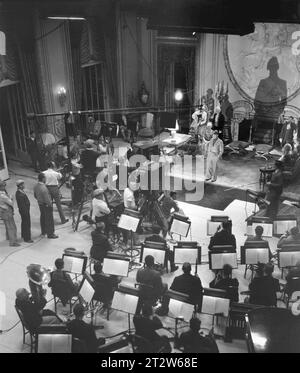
<point>79,346</point>
<point>59,290</point>
<point>272,330</point>
<point>26,330</point>
<point>291,291</point>
<point>140,344</point>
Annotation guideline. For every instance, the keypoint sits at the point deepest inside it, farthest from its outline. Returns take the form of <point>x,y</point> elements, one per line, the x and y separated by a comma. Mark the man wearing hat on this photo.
<point>275,188</point>
<point>7,215</point>
<point>215,150</point>
<point>24,210</point>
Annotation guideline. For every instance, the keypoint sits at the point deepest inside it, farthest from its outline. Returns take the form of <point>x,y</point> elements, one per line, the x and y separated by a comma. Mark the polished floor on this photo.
<point>13,261</point>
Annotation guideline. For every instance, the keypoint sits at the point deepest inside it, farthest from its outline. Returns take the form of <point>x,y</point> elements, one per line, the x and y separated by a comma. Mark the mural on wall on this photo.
<point>264,67</point>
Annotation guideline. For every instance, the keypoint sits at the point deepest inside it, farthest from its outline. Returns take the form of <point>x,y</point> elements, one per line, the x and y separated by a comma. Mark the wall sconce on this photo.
<point>62,95</point>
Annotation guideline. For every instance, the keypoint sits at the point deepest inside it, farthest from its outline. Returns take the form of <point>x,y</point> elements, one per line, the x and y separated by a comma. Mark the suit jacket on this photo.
<point>31,313</point>
<point>275,186</point>
<point>218,124</point>
<point>100,245</point>
<point>188,284</point>
<point>263,291</point>
<point>85,332</point>
<point>22,202</point>
<point>222,238</point>
<point>152,278</point>
<point>88,160</point>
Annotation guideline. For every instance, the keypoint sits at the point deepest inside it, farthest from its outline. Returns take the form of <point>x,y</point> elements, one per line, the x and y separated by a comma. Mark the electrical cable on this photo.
<point>8,330</point>
<point>50,32</point>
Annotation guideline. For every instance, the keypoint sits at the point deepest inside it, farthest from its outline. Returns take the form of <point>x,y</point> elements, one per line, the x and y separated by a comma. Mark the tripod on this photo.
<point>132,251</point>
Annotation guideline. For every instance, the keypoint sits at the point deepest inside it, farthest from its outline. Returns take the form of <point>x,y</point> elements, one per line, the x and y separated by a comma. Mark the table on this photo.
<point>266,173</point>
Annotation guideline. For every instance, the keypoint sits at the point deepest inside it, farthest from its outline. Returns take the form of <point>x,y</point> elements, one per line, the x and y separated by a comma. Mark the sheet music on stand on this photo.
<point>129,223</point>
<point>54,343</point>
<point>74,264</point>
<point>124,302</point>
<point>182,255</point>
<point>282,226</point>
<point>288,258</point>
<point>212,227</point>
<point>267,227</point>
<point>116,267</point>
<point>219,259</point>
<point>86,291</point>
<point>180,226</point>
<point>178,308</point>
<point>215,305</point>
<point>159,255</point>
<point>256,255</point>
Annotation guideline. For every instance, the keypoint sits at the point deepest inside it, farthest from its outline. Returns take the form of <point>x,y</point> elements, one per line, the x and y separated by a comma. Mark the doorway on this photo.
<point>176,71</point>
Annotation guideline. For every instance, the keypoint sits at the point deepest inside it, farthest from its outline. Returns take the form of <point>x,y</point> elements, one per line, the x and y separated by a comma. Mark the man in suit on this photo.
<point>100,245</point>
<point>24,210</point>
<point>83,331</point>
<point>218,121</point>
<point>154,288</point>
<point>34,152</point>
<point>7,215</point>
<point>42,195</point>
<point>288,132</point>
<point>275,188</point>
<point>215,150</point>
<point>188,284</point>
<point>88,158</point>
<point>223,236</point>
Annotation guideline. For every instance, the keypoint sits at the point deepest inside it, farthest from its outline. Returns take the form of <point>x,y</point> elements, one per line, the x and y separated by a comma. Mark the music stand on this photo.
<point>187,251</point>
<point>288,256</point>
<point>86,293</point>
<point>156,249</point>
<point>126,300</point>
<point>75,263</point>
<point>263,221</point>
<point>130,221</point>
<point>116,266</point>
<point>214,223</point>
<point>180,225</point>
<point>53,339</point>
<point>218,258</point>
<point>215,306</point>
<point>284,223</point>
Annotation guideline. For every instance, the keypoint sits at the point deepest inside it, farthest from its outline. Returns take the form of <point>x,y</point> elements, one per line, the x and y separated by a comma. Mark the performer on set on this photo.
<point>275,188</point>
<point>215,150</point>
<point>100,207</point>
<point>218,121</point>
<point>7,215</point>
<point>52,179</point>
<point>24,210</point>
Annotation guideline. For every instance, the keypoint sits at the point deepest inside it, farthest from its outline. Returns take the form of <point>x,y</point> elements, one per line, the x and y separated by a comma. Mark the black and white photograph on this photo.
<point>149,179</point>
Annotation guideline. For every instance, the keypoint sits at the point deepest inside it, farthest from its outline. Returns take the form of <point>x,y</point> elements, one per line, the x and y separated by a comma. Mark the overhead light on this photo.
<point>67,18</point>
<point>194,33</point>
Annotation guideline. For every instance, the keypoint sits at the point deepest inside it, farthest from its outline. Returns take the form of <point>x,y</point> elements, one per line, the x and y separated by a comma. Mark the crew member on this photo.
<point>7,215</point>
<point>275,188</point>
<point>42,195</point>
<point>24,210</point>
<point>88,158</point>
<point>215,150</point>
<point>34,152</point>
<point>52,179</point>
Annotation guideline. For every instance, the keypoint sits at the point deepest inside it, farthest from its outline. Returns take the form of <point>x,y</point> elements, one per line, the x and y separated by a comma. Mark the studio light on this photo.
<point>178,95</point>
<point>67,18</point>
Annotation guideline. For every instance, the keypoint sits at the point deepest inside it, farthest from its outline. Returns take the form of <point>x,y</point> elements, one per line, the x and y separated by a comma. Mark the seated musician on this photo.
<point>146,326</point>
<point>223,236</point>
<point>224,281</point>
<point>193,342</point>
<point>293,273</point>
<point>99,206</point>
<point>259,230</point>
<point>100,245</point>
<point>105,285</point>
<point>168,205</point>
<point>263,288</point>
<point>61,283</point>
<point>88,158</point>
<point>290,237</point>
<point>154,289</point>
<point>33,315</point>
<point>188,284</point>
<point>83,331</point>
<point>156,237</point>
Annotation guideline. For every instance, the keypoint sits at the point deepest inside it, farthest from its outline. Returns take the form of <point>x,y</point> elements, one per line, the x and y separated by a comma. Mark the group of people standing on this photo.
<point>45,191</point>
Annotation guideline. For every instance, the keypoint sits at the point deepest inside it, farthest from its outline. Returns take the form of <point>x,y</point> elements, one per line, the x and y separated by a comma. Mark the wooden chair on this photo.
<point>26,330</point>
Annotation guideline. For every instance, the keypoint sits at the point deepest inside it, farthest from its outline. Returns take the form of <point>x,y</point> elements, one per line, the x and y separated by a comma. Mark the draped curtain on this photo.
<point>168,55</point>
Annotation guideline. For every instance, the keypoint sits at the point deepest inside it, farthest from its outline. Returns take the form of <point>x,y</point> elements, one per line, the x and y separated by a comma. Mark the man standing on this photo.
<point>218,121</point>
<point>52,179</point>
<point>288,132</point>
<point>43,197</point>
<point>7,215</point>
<point>24,210</point>
<point>34,152</point>
<point>275,187</point>
<point>215,150</point>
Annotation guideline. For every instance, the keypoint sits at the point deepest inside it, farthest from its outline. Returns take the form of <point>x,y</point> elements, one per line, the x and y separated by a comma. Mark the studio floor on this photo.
<point>13,261</point>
